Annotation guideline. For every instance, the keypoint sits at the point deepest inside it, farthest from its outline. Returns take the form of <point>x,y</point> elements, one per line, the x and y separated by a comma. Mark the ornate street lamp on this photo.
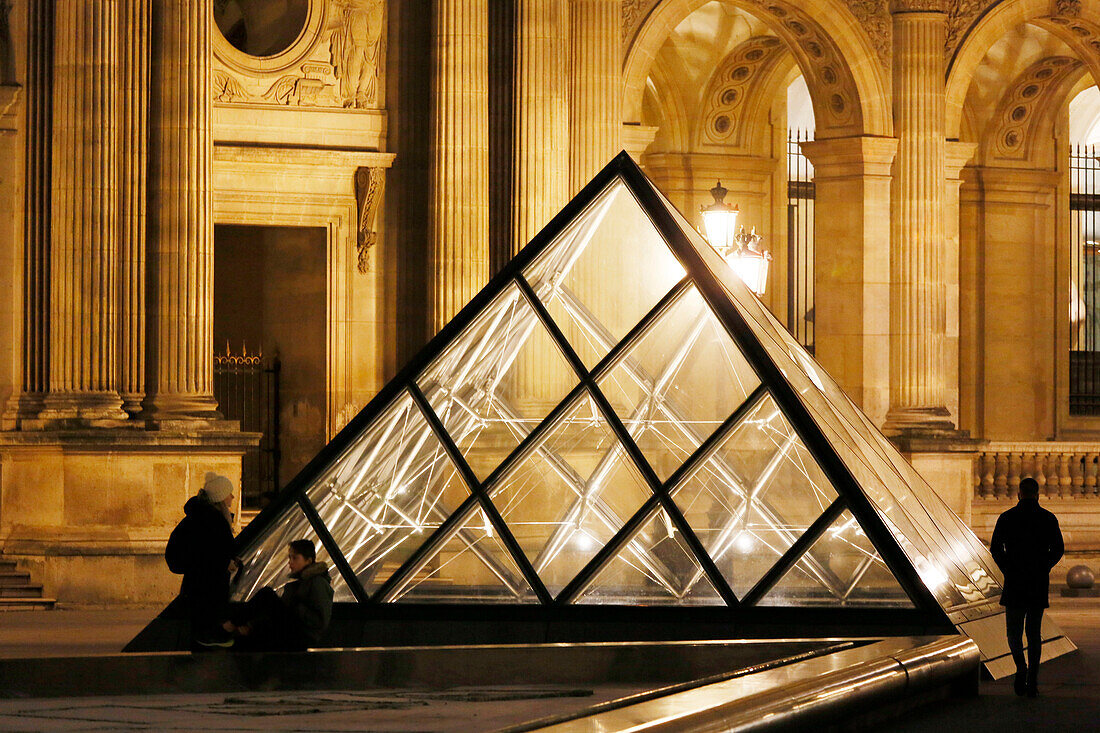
<point>720,220</point>
<point>741,250</point>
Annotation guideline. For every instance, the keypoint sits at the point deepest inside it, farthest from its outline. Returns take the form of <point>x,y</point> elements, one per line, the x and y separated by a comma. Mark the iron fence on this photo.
<point>1084,296</point>
<point>247,389</point>
<point>800,240</point>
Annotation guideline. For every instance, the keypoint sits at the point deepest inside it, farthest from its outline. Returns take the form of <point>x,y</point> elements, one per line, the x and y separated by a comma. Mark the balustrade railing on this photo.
<point>1063,470</point>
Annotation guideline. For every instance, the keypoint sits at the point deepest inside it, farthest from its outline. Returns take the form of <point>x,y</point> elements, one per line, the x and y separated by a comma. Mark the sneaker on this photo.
<point>223,640</point>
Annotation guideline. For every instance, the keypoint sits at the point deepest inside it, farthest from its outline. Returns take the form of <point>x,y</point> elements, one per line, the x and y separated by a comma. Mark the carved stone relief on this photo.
<point>731,87</point>
<point>336,62</point>
<point>634,13</point>
<point>961,14</point>
<point>874,18</point>
<point>369,184</point>
<point>1017,110</point>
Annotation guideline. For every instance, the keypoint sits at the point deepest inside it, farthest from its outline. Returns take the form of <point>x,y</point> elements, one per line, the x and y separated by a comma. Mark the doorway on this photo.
<point>269,319</point>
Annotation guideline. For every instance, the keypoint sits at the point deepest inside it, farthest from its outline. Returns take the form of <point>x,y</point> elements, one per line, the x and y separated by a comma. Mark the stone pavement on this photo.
<point>1070,688</point>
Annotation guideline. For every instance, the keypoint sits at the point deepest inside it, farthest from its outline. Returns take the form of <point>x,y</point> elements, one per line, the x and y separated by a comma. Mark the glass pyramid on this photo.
<point>615,420</point>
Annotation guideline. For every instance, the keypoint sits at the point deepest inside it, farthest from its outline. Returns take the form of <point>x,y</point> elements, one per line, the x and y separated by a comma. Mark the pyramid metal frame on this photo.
<point>556,617</point>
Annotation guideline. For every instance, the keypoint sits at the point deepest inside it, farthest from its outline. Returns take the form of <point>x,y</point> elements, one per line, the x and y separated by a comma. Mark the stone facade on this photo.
<point>423,142</point>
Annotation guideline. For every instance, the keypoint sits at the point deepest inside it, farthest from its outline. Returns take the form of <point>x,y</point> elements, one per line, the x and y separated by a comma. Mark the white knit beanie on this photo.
<point>218,488</point>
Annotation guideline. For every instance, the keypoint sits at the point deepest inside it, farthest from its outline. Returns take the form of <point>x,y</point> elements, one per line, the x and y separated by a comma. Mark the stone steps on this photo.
<point>18,593</point>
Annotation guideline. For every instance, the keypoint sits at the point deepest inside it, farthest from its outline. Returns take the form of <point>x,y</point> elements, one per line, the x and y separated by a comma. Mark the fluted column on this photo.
<point>180,248</point>
<point>84,235</point>
<point>459,212</point>
<point>134,88</point>
<point>33,370</point>
<point>541,149</point>
<point>595,87</point>
<point>918,308</point>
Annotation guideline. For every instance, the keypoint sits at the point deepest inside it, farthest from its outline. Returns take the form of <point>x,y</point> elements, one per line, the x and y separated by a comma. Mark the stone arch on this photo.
<point>848,83</point>
<point>1080,31</point>
<point>736,94</point>
<point>1028,107</point>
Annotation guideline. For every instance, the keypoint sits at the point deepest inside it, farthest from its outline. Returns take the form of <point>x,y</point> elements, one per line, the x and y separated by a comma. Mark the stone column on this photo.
<point>33,355</point>
<point>918,308</point>
<point>180,252</point>
<point>133,118</point>
<point>84,238</point>
<point>541,149</point>
<point>459,211</point>
<point>956,156</point>
<point>595,87</point>
<point>852,268</point>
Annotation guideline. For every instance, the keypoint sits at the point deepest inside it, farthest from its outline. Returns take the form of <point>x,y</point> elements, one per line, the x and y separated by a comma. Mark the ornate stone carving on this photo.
<point>960,15</point>
<point>730,87</point>
<point>355,45</point>
<point>1067,8</point>
<point>1015,115</point>
<point>920,6</point>
<point>821,61</point>
<point>369,183</point>
<point>874,17</point>
<point>338,63</point>
<point>634,12</point>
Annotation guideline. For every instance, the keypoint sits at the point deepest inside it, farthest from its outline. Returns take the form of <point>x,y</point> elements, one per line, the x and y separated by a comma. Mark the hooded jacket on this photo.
<point>205,546</point>
<point>309,597</point>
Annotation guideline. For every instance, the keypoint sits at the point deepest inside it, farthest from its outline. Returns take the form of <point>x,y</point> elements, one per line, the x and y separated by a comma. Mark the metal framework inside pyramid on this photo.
<point>615,420</point>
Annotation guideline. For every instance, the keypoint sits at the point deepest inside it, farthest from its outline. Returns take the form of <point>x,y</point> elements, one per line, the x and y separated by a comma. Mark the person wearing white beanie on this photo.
<point>201,549</point>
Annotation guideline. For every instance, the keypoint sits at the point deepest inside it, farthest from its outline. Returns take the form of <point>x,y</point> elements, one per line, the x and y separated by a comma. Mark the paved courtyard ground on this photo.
<point>1070,688</point>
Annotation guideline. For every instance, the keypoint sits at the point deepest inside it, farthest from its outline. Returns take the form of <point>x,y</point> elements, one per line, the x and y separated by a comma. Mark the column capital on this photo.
<point>859,155</point>
<point>918,6</point>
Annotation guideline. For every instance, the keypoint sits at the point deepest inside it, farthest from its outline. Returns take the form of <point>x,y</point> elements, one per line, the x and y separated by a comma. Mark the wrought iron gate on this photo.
<point>1084,296</point>
<point>800,240</point>
<point>247,389</point>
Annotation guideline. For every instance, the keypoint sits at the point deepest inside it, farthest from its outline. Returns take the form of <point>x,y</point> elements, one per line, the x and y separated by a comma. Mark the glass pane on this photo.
<point>473,565</point>
<point>570,494</point>
<point>677,384</point>
<point>604,273</point>
<point>387,493</point>
<point>656,567</point>
<point>754,497</point>
<point>265,562</point>
<point>946,553</point>
<point>497,380</point>
<point>841,568</point>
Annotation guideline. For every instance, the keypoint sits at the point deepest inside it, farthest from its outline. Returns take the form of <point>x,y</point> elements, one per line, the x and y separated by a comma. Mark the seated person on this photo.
<point>294,620</point>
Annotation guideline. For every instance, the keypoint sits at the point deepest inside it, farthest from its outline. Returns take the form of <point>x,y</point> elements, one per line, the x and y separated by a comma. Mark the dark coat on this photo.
<point>309,597</point>
<point>205,546</point>
<point>1026,544</point>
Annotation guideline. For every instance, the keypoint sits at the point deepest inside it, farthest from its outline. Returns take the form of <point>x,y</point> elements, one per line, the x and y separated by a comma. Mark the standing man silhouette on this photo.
<point>1026,544</point>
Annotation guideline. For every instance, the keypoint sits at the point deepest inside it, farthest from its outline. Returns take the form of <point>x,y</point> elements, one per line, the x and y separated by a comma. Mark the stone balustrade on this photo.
<point>1063,470</point>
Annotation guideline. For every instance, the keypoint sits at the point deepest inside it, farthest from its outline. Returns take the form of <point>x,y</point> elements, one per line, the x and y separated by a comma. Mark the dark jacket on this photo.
<point>1026,544</point>
<point>309,597</point>
<point>203,542</point>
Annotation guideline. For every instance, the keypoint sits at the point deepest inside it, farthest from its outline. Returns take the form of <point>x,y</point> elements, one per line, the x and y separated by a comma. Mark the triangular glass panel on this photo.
<point>573,276</point>
<point>675,385</point>
<point>841,568</point>
<point>497,381</point>
<point>654,568</point>
<point>570,494</point>
<point>388,492</point>
<point>472,566</point>
<point>754,496</point>
<point>266,563</point>
<point>946,552</point>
